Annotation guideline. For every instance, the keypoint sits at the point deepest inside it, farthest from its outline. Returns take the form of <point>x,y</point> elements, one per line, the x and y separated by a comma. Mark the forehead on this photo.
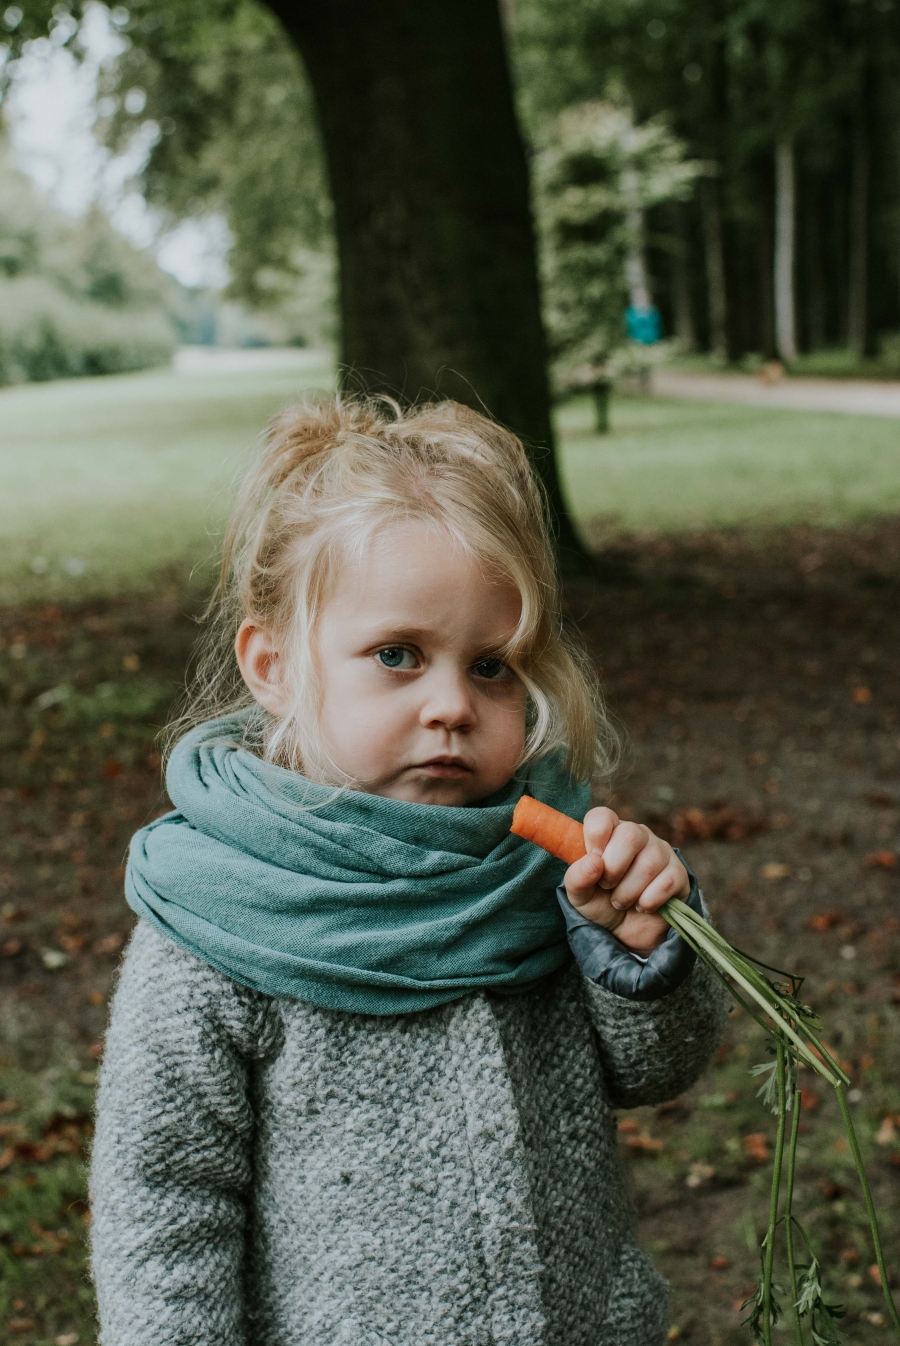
<point>415,574</point>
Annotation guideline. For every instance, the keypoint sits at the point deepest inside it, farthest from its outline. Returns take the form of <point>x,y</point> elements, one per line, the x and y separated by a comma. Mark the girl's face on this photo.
<point>417,704</point>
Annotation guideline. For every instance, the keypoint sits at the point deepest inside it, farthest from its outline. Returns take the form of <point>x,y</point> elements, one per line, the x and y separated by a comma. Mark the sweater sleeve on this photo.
<point>172,1155</point>
<point>654,1050</point>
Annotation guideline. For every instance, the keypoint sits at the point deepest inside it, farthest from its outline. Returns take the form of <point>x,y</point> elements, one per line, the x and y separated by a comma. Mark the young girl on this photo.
<point>356,1089</point>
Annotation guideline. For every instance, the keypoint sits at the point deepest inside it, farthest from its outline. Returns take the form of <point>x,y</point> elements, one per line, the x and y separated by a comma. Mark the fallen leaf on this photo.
<point>831,1190</point>
<point>6,1157</point>
<point>875,1275</point>
<point>109,944</point>
<point>643,1143</point>
<point>880,799</point>
<point>628,1124</point>
<point>849,1257</point>
<point>775,870</point>
<point>809,1101</point>
<point>881,860</point>
<point>11,947</point>
<point>112,768</point>
<point>756,1147</point>
<point>719,1263</point>
<point>825,920</point>
<point>716,822</point>
<point>21,1324</point>
<point>862,696</point>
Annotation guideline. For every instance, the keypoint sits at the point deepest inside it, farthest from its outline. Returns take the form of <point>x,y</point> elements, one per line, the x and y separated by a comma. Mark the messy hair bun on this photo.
<point>330,475</point>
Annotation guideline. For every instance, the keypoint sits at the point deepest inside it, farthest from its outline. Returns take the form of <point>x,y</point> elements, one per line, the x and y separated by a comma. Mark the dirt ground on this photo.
<point>757,678</point>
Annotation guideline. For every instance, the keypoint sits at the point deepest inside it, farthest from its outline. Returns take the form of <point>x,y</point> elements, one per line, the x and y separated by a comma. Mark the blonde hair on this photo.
<point>333,473</point>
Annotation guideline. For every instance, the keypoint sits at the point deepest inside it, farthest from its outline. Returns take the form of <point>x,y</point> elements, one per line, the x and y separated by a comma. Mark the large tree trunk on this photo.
<point>715,269</point>
<point>438,279</point>
<point>785,216</point>
<point>858,288</point>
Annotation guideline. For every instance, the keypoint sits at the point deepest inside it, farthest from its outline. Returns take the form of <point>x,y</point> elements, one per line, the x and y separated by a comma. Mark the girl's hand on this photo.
<point>626,876</point>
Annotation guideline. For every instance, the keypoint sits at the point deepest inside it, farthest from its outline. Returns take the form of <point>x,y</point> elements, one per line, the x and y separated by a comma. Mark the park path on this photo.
<point>855,397</point>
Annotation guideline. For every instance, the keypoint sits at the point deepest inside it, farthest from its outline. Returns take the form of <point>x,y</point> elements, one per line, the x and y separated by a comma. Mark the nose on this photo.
<point>448,702</point>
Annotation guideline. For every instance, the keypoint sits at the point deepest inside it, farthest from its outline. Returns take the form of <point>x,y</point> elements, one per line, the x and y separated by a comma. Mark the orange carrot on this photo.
<point>548,828</point>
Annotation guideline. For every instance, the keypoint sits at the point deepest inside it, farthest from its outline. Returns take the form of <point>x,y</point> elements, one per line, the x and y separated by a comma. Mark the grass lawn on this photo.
<point>671,466</point>
<point>108,483</point>
<point>111,485</point>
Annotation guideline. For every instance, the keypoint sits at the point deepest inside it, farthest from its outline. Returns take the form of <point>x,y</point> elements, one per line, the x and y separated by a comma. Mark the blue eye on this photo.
<point>490,668</point>
<point>395,656</point>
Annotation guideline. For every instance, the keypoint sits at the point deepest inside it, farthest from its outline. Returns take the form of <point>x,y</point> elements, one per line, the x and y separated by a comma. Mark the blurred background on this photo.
<point>662,241</point>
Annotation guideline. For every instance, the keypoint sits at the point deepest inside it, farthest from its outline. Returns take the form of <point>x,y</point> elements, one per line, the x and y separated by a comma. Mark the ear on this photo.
<point>261,667</point>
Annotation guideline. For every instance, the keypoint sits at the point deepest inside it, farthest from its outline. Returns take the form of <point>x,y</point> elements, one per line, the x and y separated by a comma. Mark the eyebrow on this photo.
<point>385,633</point>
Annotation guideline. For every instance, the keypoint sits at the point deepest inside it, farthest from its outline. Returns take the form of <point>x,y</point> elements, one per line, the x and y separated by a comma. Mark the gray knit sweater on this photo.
<point>267,1173</point>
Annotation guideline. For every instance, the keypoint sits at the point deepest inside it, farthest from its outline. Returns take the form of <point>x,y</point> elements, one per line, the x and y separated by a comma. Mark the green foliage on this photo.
<point>75,297</point>
<point>233,128</point>
<point>598,168</point>
<point>237,133</point>
<point>734,78</point>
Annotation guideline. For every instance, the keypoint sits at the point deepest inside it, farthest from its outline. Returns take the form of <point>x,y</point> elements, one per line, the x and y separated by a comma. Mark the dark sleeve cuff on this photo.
<point>606,961</point>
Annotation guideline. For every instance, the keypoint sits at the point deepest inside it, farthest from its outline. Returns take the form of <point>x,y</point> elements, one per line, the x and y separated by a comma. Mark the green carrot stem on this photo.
<point>745,977</point>
<point>788,1208</point>
<point>783,1013</point>
<point>747,1005</point>
<point>769,1261</point>
<point>870,1204</point>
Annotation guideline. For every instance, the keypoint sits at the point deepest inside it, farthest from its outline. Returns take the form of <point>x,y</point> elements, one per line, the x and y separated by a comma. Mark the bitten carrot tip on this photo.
<point>548,828</point>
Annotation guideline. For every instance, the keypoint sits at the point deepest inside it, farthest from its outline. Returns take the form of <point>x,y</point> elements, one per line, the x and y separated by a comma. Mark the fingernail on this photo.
<point>616,906</point>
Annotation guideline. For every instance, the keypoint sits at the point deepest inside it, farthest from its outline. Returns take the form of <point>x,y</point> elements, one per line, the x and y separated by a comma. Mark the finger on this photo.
<point>581,879</point>
<point>649,862</point>
<point>626,843</point>
<point>672,882</point>
<point>598,910</point>
<point>599,825</point>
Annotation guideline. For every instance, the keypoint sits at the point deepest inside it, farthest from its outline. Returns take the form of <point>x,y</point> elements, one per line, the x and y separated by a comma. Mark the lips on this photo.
<point>448,768</point>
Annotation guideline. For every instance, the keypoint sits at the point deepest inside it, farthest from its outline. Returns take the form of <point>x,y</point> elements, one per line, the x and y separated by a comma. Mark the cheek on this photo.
<point>356,721</point>
<point>508,723</point>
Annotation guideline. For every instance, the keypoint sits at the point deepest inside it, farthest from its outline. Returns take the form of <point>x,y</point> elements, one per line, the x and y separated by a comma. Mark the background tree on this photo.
<point>429,187</point>
<point>75,297</point>
<point>812,84</point>
<point>597,175</point>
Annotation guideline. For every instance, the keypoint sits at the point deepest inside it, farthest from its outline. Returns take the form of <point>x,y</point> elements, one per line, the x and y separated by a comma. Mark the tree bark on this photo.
<point>816,284</point>
<point>785,216</point>
<point>680,279</point>
<point>439,291</point>
<point>715,269</point>
<point>858,278</point>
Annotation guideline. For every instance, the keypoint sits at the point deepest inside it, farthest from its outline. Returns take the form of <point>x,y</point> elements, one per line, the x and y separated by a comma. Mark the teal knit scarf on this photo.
<point>348,900</point>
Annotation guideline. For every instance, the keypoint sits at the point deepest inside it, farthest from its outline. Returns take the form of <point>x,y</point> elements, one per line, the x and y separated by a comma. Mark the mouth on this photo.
<point>444,768</point>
